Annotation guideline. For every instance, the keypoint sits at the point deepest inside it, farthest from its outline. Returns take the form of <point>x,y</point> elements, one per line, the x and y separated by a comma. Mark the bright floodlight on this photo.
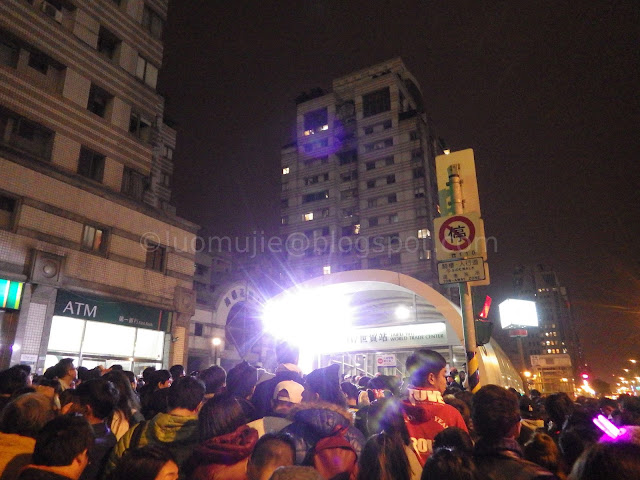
<point>216,341</point>
<point>402,312</point>
<point>308,318</point>
<point>518,313</point>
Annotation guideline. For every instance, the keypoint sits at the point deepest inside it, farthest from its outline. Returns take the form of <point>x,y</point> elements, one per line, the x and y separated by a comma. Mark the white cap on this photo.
<point>288,391</point>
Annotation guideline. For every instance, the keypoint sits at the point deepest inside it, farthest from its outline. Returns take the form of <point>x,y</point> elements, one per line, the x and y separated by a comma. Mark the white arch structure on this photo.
<point>495,367</point>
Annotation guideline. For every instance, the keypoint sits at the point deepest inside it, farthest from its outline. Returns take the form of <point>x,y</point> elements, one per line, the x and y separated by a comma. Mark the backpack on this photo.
<point>334,457</point>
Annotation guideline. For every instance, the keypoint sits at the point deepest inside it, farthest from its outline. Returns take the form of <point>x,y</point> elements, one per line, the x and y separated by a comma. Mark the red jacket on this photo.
<point>426,415</point>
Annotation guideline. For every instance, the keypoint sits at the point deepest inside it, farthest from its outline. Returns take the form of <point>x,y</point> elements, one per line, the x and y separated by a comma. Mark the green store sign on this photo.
<point>10,294</point>
<point>98,309</point>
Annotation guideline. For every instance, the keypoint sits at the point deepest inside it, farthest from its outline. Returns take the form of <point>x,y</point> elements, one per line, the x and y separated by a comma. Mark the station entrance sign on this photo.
<point>459,236</point>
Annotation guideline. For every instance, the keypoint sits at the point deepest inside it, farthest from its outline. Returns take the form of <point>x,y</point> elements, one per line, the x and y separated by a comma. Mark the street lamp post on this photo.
<point>216,343</point>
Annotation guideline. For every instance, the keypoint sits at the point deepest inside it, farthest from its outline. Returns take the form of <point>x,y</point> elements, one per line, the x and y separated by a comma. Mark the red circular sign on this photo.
<point>457,229</point>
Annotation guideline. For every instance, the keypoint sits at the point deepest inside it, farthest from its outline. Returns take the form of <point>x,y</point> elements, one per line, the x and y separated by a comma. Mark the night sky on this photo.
<point>546,93</point>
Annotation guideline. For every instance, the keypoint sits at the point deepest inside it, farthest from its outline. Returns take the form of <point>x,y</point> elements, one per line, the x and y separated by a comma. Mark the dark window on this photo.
<point>386,125</point>
<point>284,202</point>
<point>140,127</point>
<point>389,161</point>
<point>155,257</point>
<point>373,222</point>
<point>418,172</point>
<point>197,330</point>
<point>9,51</point>
<point>413,135</point>
<point>348,157</point>
<point>133,183</point>
<point>416,156</point>
<point>352,192</point>
<point>391,179</point>
<point>371,183</point>
<point>7,209</point>
<point>25,135</point>
<point>152,22</point>
<point>418,192</point>
<point>370,165</point>
<point>315,121</point>
<point>349,176</point>
<point>39,61</point>
<point>376,102</point>
<point>314,197</point>
<point>108,43</point>
<point>94,238</point>
<point>91,164</point>
<point>392,198</point>
<point>98,100</point>
<point>368,130</point>
<point>201,269</point>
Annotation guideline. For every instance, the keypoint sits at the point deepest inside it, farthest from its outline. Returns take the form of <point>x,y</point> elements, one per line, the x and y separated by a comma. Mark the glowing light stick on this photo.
<point>607,427</point>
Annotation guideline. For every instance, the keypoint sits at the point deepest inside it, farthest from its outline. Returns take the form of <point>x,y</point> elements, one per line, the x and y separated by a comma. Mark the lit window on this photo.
<point>356,229</point>
<point>93,238</point>
<point>285,171</point>
<point>393,218</point>
<point>326,270</point>
<point>284,220</point>
<point>424,233</point>
<point>307,216</point>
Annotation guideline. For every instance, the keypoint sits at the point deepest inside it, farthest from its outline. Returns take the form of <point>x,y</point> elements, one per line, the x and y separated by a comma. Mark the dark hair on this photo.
<point>100,394</point>
<point>186,392</point>
<point>130,376</point>
<point>494,412</point>
<point>159,376</point>
<point>177,371</point>
<point>142,463</point>
<point>22,366</point>
<point>454,437</point>
<point>127,400</point>
<point>326,383</point>
<point>62,367</point>
<point>287,353</point>
<point>461,406</point>
<point>364,381</point>
<point>214,378</point>
<point>26,415</point>
<point>608,460</point>
<point>220,415</point>
<point>421,363</point>
<point>116,367</point>
<point>61,440</point>
<point>558,406</point>
<point>350,390</point>
<point>268,450</point>
<point>383,458</point>
<point>12,379</point>
<point>541,449</point>
<point>241,379</point>
<point>449,464</point>
<point>147,374</point>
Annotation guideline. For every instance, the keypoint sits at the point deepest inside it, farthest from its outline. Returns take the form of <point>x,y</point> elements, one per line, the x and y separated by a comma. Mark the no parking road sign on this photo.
<point>459,236</point>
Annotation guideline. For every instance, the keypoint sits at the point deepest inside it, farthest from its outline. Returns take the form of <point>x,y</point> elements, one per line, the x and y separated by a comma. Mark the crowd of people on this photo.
<point>249,424</point>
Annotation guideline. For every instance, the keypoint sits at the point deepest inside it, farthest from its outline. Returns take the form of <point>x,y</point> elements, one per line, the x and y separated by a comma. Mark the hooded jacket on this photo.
<point>177,433</point>
<point>503,460</point>
<point>313,421</point>
<point>426,415</point>
<point>222,457</point>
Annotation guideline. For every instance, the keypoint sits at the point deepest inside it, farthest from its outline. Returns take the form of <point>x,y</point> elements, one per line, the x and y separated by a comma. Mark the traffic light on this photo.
<point>483,326</point>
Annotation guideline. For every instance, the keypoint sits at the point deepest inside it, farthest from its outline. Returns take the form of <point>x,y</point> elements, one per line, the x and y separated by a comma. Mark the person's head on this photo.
<point>26,414</point>
<point>273,450</point>
<point>426,368</point>
<point>461,406</point>
<point>133,381</point>
<point>607,406</point>
<point>186,393</point>
<point>151,462</point>
<point>285,396</point>
<point>541,449</point>
<point>449,464</point>
<point>65,370</point>
<point>214,379</point>
<point>147,374</point>
<point>383,458</point>
<point>220,415</point>
<point>608,460</point>
<point>176,371</point>
<point>558,407</point>
<point>287,353</point>
<point>454,437</point>
<point>127,401</point>
<point>98,398</point>
<point>161,379</point>
<point>351,392</point>
<point>495,413</point>
<point>324,384</point>
<point>242,380</point>
<point>13,379</point>
<point>116,366</point>
<point>63,443</point>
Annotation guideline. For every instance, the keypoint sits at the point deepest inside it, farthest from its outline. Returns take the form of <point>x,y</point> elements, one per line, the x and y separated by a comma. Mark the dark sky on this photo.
<point>546,93</point>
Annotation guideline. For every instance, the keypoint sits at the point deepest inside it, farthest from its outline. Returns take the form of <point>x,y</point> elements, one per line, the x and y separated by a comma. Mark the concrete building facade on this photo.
<point>87,232</point>
<point>358,183</point>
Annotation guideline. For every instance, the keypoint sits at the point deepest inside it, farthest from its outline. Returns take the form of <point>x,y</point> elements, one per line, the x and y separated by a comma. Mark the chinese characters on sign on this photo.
<point>458,271</point>
<point>396,336</point>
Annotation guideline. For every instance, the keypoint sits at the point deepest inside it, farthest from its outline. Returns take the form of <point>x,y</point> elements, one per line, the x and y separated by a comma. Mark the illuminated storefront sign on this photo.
<point>391,337</point>
<point>87,307</point>
<point>10,294</point>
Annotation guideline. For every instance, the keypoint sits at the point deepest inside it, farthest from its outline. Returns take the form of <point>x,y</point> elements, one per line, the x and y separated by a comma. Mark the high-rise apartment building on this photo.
<point>552,350</point>
<point>88,240</point>
<point>358,184</point>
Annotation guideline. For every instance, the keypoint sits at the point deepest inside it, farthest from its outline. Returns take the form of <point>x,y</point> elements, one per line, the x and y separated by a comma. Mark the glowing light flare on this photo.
<point>308,318</point>
<point>402,312</point>
<point>216,341</point>
<point>607,427</point>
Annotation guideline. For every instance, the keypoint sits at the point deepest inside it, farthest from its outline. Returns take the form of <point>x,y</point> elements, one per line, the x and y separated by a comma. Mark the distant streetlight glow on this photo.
<point>402,312</point>
<point>216,341</point>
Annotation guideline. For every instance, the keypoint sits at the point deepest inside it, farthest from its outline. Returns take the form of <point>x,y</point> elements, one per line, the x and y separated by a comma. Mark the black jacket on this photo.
<point>503,460</point>
<point>263,393</point>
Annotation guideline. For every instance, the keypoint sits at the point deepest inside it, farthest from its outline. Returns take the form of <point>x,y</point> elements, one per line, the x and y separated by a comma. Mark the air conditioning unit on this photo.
<point>52,11</point>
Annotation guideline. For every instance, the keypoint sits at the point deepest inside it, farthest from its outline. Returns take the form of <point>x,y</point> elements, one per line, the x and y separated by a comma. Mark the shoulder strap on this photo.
<point>137,434</point>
